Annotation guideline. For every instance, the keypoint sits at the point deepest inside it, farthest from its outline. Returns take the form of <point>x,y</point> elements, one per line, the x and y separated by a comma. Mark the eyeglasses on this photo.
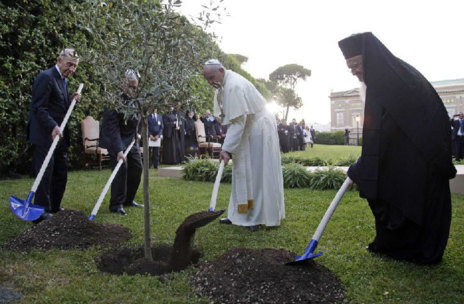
<point>354,66</point>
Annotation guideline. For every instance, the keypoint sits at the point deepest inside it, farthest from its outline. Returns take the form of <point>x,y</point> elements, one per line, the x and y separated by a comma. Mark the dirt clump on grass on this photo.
<point>244,275</point>
<point>166,258</point>
<point>69,229</point>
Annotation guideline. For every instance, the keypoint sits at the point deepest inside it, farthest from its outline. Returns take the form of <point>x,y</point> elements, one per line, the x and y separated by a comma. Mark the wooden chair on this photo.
<point>205,148</point>
<point>90,140</point>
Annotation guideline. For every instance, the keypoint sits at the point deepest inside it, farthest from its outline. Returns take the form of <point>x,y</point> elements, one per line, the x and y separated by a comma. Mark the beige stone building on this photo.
<point>347,107</point>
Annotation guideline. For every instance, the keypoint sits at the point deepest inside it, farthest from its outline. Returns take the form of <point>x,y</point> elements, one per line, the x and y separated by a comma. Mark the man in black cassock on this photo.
<point>190,138</point>
<point>405,164</point>
<point>284,139</point>
<point>180,116</point>
<point>171,138</point>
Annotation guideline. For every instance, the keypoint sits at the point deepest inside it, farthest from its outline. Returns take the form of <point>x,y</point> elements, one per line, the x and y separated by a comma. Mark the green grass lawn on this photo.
<point>327,152</point>
<point>72,277</point>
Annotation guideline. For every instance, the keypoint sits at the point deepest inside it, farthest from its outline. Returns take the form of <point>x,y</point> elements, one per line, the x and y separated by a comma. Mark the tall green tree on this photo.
<point>287,97</point>
<point>240,58</point>
<point>288,76</point>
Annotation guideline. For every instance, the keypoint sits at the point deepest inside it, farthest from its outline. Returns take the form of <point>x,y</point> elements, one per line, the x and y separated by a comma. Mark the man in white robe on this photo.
<point>252,141</point>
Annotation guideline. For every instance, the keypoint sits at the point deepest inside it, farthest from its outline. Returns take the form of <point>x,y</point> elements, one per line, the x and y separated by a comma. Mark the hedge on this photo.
<point>32,33</point>
<point>294,175</point>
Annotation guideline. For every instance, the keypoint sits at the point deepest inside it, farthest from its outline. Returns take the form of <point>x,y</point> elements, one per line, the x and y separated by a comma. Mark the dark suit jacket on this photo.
<point>50,102</point>
<point>210,128</point>
<point>117,133</point>
<point>456,125</point>
<point>155,125</point>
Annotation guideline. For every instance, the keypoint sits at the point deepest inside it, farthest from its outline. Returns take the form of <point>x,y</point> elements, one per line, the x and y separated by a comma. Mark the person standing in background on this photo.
<point>155,131</point>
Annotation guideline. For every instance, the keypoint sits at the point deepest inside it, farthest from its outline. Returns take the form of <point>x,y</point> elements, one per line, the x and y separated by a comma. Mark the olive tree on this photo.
<point>152,39</point>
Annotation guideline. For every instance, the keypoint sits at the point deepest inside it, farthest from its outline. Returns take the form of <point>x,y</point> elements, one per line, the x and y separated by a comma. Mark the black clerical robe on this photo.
<point>171,140</point>
<point>405,165</point>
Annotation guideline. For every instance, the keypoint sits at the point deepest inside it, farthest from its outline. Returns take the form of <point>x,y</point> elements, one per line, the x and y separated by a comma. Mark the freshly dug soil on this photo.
<point>69,229</point>
<point>244,275</point>
<point>166,258</point>
<point>132,261</point>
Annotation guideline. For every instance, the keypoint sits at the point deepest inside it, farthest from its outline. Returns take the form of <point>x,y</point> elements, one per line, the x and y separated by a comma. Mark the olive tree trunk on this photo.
<point>146,196</point>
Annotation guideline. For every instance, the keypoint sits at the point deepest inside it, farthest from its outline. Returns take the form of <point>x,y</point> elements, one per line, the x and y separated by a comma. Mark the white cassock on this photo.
<point>257,185</point>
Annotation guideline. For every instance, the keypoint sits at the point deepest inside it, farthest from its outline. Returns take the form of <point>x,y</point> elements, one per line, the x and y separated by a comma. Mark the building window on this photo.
<point>340,118</point>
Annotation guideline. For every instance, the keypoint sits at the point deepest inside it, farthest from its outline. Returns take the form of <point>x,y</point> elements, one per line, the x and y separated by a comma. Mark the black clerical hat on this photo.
<point>352,45</point>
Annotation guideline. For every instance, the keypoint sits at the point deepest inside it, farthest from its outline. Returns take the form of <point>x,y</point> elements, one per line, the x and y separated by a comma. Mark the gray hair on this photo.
<point>69,53</point>
<point>132,75</point>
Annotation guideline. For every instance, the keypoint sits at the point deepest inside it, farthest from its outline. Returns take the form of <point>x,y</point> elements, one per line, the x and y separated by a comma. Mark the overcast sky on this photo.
<point>427,34</point>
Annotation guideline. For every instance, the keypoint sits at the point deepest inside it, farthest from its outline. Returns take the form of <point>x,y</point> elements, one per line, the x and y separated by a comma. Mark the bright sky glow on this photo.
<point>271,33</point>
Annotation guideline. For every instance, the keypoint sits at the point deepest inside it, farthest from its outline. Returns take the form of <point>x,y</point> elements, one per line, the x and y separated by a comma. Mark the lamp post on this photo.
<point>358,119</point>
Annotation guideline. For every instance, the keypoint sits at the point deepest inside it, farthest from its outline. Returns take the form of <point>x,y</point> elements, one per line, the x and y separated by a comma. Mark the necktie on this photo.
<point>65,85</point>
<point>462,126</point>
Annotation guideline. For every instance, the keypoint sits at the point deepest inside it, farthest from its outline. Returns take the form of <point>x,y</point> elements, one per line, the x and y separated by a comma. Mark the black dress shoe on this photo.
<point>133,204</point>
<point>57,210</point>
<point>118,209</point>
<point>225,221</point>
<point>254,228</point>
<point>44,216</point>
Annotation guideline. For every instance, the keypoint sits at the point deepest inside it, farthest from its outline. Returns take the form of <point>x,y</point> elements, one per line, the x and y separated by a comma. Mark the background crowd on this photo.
<point>179,130</point>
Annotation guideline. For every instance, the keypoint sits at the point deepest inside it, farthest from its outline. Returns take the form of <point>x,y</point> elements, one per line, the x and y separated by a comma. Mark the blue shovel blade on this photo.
<point>308,254</point>
<point>24,209</point>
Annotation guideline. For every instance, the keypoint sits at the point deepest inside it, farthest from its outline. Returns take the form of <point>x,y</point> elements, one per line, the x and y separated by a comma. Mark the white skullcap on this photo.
<point>213,62</point>
<point>132,75</point>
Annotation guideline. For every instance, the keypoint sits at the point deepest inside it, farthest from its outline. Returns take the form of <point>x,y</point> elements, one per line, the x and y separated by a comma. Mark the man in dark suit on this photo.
<point>294,133</point>
<point>118,131</point>
<point>458,136</point>
<point>209,123</point>
<point>155,131</point>
<point>50,102</point>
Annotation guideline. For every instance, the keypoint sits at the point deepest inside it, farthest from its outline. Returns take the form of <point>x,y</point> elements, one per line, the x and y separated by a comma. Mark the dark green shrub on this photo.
<point>227,174</point>
<point>205,170</point>
<point>295,176</point>
<point>287,159</point>
<point>327,179</point>
<point>330,138</point>
<point>314,161</point>
<point>346,161</point>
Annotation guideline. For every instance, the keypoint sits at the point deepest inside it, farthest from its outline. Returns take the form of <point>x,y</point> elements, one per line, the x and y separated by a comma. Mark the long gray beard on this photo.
<point>362,91</point>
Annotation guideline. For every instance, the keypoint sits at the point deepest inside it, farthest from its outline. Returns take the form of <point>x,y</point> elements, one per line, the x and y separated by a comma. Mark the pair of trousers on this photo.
<point>53,184</point>
<point>127,180</point>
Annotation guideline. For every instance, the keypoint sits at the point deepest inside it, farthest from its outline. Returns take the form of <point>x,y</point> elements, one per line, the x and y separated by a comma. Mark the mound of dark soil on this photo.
<point>69,229</point>
<point>244,275</point>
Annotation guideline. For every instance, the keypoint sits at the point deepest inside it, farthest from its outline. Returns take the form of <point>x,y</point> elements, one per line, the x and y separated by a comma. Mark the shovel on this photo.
<point>212,203</point>
<point>25,210</point>
<point>108,183</point>
<point>309,253</point>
